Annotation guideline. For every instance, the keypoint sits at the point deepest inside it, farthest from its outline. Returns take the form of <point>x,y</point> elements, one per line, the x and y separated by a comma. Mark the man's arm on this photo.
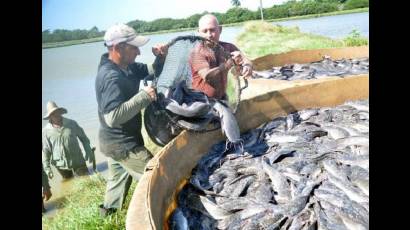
<point>46,155</point>
<point>116,110</point>
<point>244,65</point>
<point>85,141</point>
<point>44,179</point>
<point>128,109</point>
<point>46,186</point>
<point>212,74</point>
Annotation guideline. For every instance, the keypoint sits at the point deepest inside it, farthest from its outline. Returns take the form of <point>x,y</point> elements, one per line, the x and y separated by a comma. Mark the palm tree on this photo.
<point>238,3</point>
<point>261,8</point>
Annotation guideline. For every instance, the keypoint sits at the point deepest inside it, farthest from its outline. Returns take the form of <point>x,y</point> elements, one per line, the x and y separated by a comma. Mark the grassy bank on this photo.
<point>359,10</point>
<point>80,208</point>
<point>76,42</point>
<point>262,38</point>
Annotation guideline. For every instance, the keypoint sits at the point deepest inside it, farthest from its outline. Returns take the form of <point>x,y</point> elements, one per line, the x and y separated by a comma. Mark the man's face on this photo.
<point>56,117</point>
<point>209,29</point>
<point>128,53</point>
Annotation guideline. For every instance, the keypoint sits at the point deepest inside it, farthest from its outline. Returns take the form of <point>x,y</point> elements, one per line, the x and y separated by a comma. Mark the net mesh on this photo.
<point>161,124</point>
<point>176,66</point>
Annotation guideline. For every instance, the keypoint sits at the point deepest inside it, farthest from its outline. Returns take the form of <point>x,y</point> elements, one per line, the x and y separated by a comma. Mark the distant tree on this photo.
<point>138,25</point>
<point>235,14</point>
<point>353,4</point>
<point>192,21</point>
<point>238,14</point>
<point>93,33</point>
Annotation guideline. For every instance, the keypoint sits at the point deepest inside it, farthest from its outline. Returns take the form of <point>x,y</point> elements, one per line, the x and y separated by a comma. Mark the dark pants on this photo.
<point>69,173</point>
<point>42,201</point>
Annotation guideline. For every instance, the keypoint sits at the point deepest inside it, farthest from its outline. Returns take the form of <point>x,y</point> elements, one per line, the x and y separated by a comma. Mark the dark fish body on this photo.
<point>178,220</point>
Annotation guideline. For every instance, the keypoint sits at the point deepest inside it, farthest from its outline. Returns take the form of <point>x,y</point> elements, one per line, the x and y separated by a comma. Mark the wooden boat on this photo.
<point>154,197</point>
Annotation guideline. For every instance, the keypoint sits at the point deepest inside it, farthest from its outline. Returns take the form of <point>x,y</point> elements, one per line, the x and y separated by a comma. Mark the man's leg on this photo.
<point>119,178</point>
<point>118,183</point>
<point>136,161</point>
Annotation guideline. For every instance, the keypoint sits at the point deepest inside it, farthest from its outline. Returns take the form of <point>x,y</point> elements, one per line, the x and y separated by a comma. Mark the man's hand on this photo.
<point>47,194</point>
<point>91,158</point>
<point>247,71</point>
<point>50,174</point>
<point>160,50</point>
<point>227,65</point>
<point>151,92</point>
<point>240,60</point>
<point>237,57</point>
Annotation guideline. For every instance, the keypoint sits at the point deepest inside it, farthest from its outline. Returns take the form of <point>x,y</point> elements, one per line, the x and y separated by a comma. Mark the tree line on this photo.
<point>233,15</point>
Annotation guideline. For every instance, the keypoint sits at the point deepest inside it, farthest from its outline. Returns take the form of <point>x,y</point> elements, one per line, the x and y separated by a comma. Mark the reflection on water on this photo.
<point>337,26</point>
<point>68,73</point>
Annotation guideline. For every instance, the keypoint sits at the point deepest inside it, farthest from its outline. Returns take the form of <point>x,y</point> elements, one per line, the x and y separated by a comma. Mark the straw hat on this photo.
<point>51,107</point>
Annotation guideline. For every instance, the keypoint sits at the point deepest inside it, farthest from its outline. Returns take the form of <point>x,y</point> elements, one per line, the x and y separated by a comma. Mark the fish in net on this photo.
<point>178,106</point>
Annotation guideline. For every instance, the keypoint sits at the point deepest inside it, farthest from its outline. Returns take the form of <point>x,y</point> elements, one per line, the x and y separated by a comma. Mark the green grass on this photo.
<point>80,208</point>
<point>70,43</point>
<point>262,38</point>
<point>354,39</point>
<point>359,10</point>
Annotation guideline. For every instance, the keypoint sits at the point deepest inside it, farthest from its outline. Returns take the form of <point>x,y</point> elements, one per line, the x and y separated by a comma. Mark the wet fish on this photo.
<point>178,221</point>
<point>215,211</point>
<point>353,193</point>
<point>282,138</point>
<point>229,125</point>
<point>336,132</point>
<point>355,140</point>
<point>279,183</point>
<point>293,174</point>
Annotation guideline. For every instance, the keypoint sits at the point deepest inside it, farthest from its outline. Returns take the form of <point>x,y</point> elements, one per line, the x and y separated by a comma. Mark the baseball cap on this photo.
<point>123,33</point>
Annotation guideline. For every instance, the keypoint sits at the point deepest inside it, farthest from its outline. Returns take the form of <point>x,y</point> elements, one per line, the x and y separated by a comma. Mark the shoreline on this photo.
<point>99,39</point>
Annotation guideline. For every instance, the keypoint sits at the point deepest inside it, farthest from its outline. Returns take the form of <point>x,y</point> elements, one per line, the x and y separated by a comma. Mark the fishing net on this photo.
<point>165,118</point>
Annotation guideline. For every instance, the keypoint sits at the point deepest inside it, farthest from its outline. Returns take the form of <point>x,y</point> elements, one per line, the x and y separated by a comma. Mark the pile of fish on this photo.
<point>306,170</point>
<point>324,68</point>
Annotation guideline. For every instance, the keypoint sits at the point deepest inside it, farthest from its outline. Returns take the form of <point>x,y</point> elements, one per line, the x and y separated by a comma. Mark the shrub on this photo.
<point>353,4</point>
<point>354,39</point>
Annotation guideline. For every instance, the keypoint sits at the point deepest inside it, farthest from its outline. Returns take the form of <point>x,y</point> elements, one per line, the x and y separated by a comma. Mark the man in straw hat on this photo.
<point>119,110</point>
<point>60,144</point>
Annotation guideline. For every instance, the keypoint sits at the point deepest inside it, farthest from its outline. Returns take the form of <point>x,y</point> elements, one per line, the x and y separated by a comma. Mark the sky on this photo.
<point>84,14</point>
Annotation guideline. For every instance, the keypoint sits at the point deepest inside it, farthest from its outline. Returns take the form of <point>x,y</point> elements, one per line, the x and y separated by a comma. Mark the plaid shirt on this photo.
<point>203,57</point>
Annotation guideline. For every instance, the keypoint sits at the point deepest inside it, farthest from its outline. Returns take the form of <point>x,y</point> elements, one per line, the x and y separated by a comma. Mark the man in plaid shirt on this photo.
<point>209,63</point>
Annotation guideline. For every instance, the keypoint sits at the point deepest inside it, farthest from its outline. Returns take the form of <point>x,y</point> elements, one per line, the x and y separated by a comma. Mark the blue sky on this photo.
<point>84,14</point>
